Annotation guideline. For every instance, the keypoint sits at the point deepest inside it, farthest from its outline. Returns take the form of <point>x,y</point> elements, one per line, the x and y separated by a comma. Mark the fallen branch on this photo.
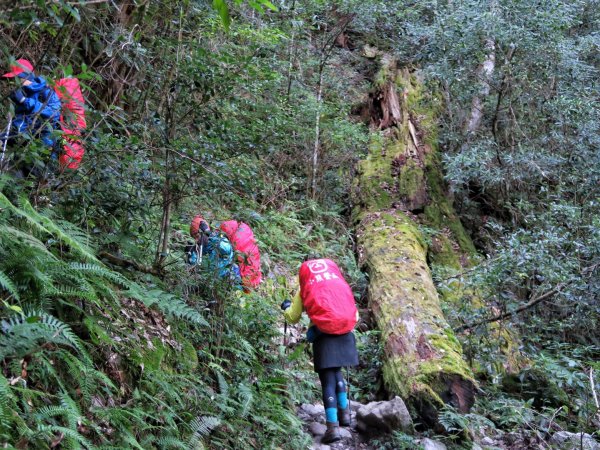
<point>530,304</point>
<point>127,263</point>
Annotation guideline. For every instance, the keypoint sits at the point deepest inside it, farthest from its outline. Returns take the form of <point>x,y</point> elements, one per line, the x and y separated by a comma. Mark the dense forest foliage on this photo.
<point>265,112</point>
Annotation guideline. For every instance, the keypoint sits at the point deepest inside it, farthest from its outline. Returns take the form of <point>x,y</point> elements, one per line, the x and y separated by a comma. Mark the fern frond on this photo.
<point>223,385</point>
<point>201,427</point>
<point>168,304</point>
<point>73,435</point>
<point>6,402</point>
<point>246,399</point>
<point>7,284</point>
<point>102,272</point>
<point>171,442</point>
<point>23,333</point>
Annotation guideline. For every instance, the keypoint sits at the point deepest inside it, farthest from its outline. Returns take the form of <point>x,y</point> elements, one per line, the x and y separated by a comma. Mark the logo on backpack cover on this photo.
<point>317,266</point>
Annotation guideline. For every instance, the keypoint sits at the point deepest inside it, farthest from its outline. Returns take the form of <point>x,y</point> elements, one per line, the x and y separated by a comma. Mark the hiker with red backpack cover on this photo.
<point>37,107</point>
<point>248,256</point>
<point>40,110</point>
<point>329,303</point>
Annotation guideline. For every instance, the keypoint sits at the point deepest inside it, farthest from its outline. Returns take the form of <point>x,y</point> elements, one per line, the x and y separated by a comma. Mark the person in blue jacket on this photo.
<point>217,249</point>
<point>37,107</point>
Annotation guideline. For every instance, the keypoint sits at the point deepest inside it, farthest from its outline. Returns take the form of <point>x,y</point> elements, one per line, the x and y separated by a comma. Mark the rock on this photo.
<point>345,433</point>
<point>564,440</point>
<point>476,446</point>
<point>317,446</point>
<point>384,416</point>
<point>311,410</point>
<point>487,441</point>
<point>430,444</point>
<point>317,429</point>
<point>355,405</point>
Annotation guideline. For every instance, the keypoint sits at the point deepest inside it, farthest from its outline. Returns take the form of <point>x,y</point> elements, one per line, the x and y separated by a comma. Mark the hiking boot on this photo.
<point>344,416</point>
<point>332,434</point>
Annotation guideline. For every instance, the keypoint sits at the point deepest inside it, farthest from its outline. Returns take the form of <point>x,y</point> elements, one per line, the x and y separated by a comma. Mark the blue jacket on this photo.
<point>219,257</point>
<point>39,113</point>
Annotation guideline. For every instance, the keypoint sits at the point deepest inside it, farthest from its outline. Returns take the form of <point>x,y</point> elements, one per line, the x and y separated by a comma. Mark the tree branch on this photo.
<point>530,304</point>
<point>122,262</point>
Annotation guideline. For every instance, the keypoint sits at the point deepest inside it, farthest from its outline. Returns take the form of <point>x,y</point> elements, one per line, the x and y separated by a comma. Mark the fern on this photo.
<point>6,404</point>
<point>246,399</point>
<point>171,442</point>
<point>24,333</point>
<point>73,435</point>
<point>168,304</point>
<point>201,427</point>
<point>223,385</point>
<point>7,284</point>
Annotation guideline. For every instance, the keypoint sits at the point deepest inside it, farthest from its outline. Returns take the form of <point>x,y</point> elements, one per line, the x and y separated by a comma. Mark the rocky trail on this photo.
<point>368,422</point>
<point>371,422</point>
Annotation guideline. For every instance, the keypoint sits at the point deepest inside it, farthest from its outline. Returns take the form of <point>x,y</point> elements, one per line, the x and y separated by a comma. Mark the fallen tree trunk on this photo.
<point>423,358</point>
<point>400,188</point>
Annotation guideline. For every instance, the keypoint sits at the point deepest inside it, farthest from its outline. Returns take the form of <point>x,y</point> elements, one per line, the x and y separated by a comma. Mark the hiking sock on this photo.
<point>342,400</point>
<point>331,414</point>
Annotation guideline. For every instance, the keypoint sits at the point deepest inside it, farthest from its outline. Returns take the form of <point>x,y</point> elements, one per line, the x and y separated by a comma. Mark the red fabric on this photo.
<point>72,121</point>
<point>242,238</point>
<point>327,298</point>
<point>22,65</point>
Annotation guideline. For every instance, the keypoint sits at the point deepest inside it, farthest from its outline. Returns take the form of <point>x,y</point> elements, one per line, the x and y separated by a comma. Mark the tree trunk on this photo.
<point>484,74</point>
<point>399,180</point>
<point>315,155</point>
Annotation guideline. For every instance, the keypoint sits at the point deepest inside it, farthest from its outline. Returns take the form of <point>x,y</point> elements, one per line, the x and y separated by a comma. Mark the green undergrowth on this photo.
<point>94,357</point>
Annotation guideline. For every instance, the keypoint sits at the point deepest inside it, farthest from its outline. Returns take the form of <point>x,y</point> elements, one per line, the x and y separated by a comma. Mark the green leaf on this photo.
<point>221,7</point>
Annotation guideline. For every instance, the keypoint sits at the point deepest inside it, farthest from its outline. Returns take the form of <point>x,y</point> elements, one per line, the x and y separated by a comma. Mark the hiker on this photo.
<point>329,303</point>
<point>242,238</point>
<point>214,245</point>
<point>37,106</point>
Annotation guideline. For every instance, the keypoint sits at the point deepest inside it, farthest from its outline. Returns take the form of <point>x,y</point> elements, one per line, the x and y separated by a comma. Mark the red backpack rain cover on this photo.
<point>327,298</point>
<point>72,121</point>
<point>242,238</point>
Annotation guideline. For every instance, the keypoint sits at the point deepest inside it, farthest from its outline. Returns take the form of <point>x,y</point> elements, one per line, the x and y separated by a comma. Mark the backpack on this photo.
<point>244,243</point>
<point>327,298</point>
<point>72,121</point>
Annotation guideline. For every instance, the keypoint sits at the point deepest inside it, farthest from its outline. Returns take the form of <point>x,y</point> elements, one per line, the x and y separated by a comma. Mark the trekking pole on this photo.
<point>5,142</point>
<point>348,394</point>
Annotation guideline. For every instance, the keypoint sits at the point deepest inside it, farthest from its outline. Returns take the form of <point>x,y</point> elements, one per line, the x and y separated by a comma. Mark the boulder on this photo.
<point>386,416</point>
<point>564,440</point>
<point>486,440</point>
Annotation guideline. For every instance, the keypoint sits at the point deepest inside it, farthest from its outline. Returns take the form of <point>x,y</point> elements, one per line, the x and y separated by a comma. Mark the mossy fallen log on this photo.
<point>407,226</point>
<point>423,358</point>
<point>399,189</point>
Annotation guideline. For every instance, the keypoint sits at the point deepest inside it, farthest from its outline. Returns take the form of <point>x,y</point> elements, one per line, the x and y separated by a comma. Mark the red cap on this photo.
<point>195,226</point>
<point>22,65</point>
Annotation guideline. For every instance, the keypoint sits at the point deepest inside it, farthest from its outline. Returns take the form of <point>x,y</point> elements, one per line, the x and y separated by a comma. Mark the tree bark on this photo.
<point>484,74</point>
<point>315,155</point>
<point>399,179</point>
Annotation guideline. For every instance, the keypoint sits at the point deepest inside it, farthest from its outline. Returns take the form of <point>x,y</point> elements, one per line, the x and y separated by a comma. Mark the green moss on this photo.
<point>151,356</point>
<point>443,254</point>
<point>187,358</point>
<point>411,180</point>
